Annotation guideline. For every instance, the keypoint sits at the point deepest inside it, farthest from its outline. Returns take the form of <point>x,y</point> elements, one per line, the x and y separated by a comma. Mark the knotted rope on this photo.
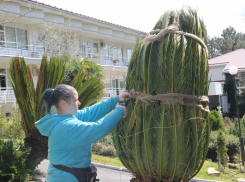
<point>172,29</point>
<point>169,99</point>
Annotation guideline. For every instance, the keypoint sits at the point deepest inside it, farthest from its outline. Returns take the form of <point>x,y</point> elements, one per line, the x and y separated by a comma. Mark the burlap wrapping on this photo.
<point>172,29</point>
<point>170,99</point>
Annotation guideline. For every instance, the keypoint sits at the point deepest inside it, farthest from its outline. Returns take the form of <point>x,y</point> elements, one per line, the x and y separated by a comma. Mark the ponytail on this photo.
<point>52,97</point>
<point>48,98</point>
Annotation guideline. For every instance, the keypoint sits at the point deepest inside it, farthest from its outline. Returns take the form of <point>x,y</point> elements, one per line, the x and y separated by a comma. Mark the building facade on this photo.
<point>22,18</point>
<point>220,65</point>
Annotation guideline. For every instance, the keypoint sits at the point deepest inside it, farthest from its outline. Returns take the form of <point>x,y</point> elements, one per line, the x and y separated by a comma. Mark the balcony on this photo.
<point>112,92</point>
<point>32,51</point>
<point>18,49</point>
<point>7,96</point>
<point>110,61</point>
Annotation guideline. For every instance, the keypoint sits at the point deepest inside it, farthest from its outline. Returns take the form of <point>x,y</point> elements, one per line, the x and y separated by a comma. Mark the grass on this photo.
<point>111,161</point>
<point>227,175</point>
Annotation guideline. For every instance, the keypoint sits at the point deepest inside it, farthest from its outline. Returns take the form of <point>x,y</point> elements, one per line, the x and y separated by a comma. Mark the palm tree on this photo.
<point>29,99</point>
<point>90,89</point>
<point>167,142</point>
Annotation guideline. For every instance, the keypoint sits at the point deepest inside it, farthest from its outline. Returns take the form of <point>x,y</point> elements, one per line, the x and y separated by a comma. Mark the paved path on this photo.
<point>104,174</point>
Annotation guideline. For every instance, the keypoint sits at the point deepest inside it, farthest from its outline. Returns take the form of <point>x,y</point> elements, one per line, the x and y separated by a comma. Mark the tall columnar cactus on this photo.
<point>167,142</point>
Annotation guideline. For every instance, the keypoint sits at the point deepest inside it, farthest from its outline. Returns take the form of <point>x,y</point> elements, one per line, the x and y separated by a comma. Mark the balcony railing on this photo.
<point>18,49</point>
<point>112,92</point>
<point>108,60</point>
<point>33,51</point>
<point>7,95</point>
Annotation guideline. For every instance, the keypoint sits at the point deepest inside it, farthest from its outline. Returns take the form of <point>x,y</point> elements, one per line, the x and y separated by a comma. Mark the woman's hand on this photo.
<point>125,110</point>
<point>124,96</point>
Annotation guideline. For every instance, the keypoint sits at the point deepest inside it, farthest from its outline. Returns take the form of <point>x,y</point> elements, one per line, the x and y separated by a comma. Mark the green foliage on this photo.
<point>166,142</point>
<point>214,118</point>
<point>14,163</point>
<point>11,128</point>
<point>221,150</point>
<point>104,147</point>
<point>74,66</point>
<point>230,40</point>
<point>104,150</point>
<point>92,68</point>
<point>232,144</point>
<point>227,123</point>
<point>235,129</point>
<point>214,46</point>
<point>28,98</point>
<point>89,87</point>
<point>87,81</point>
<point>229,90</point>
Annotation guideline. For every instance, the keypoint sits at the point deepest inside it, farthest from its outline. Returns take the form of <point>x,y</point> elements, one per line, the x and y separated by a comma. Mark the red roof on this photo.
<point>87,17</point>
<point>234,58</point>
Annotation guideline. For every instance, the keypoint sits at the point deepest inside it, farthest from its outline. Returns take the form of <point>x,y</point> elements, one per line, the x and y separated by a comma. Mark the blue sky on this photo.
<point>143,14</point>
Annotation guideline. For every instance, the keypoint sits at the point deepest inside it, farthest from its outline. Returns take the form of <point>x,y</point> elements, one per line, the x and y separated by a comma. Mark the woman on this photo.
<point>71,132</point>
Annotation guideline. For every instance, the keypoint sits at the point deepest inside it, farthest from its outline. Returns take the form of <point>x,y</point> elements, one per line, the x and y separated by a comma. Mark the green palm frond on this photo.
<point>89,90</point>
<point>28,98</point>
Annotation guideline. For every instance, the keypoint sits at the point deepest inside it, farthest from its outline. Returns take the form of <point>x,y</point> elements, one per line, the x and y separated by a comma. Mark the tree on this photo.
<point>164,140</point>
<point>214,46</point>
<point>229,90</point>
<point>90,75</point>
<point>28,98</point>
<point>56,40</point>
<point>222,150</point>
<point>229,41</point>
<point>215,119</point>
<point>227,45</point>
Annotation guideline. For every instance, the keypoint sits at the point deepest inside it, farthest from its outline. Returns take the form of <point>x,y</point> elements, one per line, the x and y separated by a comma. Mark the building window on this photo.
<point>122,84</point>
<point>2,36</point>
<point>92,49</point>
<point>2,79</point>
<point>82,48</point>
<point>22,38</point>
<point>129,54</point>
<point>112,53</point>
<point>15,38</point>
<point>10,37</point>
<point>87,49</point>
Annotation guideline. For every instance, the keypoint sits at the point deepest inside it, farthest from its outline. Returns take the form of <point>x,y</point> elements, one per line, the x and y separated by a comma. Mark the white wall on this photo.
<point>215,72</point>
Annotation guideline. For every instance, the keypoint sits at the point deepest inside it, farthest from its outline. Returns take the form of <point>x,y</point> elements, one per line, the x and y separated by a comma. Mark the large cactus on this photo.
<point>167,142</point>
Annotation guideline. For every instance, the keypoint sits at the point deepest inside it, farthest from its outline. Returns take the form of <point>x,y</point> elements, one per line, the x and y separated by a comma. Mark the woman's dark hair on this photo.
<point>52,97</point>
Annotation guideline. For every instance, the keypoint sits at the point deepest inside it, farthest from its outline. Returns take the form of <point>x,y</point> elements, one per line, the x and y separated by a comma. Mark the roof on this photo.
<point>234,58</point>
<point>87,17</point>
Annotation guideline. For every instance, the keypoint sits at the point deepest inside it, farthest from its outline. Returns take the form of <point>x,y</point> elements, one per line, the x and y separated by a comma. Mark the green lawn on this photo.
<point>111,161</point>
<point>228,175</point>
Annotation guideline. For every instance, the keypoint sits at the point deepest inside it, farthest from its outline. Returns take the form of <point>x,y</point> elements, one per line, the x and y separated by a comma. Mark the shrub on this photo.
<point>227,123</point>
<point>232,144</point>
<point>216,120</point>
<point>11,128</point>
<point>235,129</point>
<point>14,162</point>
<point>221,150</point>
<point>102,149</point>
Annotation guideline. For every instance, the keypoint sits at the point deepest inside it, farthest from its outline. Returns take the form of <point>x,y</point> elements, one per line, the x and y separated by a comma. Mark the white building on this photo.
<point>217,67</point>
<point>113,43</point>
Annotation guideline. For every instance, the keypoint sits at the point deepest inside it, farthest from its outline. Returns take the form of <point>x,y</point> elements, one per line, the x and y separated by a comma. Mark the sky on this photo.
<point>143,14</point>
